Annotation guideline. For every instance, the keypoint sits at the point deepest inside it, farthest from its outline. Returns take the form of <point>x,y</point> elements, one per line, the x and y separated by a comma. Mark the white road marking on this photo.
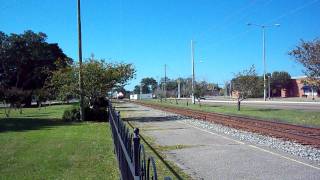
<point>252,146</point>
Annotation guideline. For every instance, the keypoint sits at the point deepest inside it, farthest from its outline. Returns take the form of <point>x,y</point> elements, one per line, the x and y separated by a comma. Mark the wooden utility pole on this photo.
<point>165,81</point>
<point>179,90</point>
<point>80,65</point>
<point>193,76</point>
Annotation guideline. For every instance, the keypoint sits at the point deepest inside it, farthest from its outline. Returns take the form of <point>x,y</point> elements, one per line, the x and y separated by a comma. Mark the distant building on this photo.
<point>299,88</point>
<point>143,96</point>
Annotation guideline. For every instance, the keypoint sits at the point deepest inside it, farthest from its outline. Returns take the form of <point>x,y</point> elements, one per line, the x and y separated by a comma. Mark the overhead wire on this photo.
<point>242,34</point>
<point>293,11</point>
<point>232,22</point>
<point>228,20</point>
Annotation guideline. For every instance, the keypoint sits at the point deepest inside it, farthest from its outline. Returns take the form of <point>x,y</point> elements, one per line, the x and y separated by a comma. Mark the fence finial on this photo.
<point>136,131</point>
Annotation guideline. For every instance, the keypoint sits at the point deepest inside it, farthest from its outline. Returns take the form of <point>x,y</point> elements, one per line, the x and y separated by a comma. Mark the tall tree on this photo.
<point>280,80</point>
<point>136,89</point>
<point>244,84</point>
<point>149,85</point>
<point>200,90</point>
<point>27,60</point>
<point>307,53</point>
<point>99,78</point>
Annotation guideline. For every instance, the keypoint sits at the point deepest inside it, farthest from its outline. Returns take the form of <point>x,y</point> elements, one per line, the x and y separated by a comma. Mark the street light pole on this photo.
<point>179,90</point>
<point>264,55</point>
<point>269,79</point>
<point>165,81</point>
<point>193,76</point>
<point>264,62</point>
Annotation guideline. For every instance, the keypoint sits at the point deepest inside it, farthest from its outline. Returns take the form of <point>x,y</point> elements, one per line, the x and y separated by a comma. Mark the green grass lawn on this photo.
<point>38,145</point>
<point>298,117</point>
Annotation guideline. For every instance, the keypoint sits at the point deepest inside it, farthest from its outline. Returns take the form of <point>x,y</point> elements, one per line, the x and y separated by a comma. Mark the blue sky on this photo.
<point>150,34</point>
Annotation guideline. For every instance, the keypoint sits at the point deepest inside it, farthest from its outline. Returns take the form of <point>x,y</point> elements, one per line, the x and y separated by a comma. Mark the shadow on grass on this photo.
<point>25,124</point>
<point>213,106</point>
<point>263,110</point>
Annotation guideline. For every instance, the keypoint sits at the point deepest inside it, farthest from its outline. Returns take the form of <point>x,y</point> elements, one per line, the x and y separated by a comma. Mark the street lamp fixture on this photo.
<point>264,53</point>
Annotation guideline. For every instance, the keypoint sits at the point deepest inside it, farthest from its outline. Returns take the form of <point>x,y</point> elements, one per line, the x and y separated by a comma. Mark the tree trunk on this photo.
<point>238,104</point>
<point>39,105</point>
<point>28,101</point>
<point>6,110</point>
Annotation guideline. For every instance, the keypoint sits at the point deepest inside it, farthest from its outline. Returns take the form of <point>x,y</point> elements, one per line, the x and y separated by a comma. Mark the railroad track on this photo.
<point>303,135</point>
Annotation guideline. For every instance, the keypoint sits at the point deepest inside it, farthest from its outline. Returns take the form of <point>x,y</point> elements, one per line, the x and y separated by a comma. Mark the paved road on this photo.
<point>212,155</point>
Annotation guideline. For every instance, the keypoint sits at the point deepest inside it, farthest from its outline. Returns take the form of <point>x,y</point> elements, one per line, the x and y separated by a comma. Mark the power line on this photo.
<point>227,19</point>
<point>293,11</point>
<point>244,15</point>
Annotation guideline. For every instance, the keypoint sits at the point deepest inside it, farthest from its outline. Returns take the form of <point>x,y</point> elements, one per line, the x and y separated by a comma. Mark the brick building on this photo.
<point>298,88</point>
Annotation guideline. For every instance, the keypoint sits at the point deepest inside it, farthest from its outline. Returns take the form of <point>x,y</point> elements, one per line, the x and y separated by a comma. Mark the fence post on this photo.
<point>136,144</point>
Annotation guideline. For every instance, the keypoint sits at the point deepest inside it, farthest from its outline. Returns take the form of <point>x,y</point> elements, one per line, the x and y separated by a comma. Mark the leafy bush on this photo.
<point>99,102</point>
<point>71,115</point>
<point>97,114</point>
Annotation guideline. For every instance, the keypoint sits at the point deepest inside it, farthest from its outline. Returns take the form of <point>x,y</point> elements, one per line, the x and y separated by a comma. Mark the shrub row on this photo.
<point>91,114</point>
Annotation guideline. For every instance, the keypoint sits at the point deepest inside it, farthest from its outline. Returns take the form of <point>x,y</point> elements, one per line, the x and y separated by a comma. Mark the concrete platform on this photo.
<point>211,155</point>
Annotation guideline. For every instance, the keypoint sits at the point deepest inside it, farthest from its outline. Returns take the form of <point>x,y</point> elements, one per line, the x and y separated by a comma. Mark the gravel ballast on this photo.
<point>293,148</point>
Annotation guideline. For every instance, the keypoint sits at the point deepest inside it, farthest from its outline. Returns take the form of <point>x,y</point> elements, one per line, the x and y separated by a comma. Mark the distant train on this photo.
<point>120,95</point>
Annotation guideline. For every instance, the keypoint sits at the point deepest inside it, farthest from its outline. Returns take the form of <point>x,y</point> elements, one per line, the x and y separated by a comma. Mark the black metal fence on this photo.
<point>132,159</point>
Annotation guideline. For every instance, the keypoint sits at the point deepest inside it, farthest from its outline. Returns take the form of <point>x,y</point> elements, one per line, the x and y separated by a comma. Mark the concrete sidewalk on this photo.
<point>211,155</point>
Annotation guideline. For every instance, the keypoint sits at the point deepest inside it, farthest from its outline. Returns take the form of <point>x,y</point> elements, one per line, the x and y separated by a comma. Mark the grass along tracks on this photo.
<point>303,135</point>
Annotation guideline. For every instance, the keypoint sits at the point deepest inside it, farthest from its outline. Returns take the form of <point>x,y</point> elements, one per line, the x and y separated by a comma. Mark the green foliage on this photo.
<point>41,95</point>
<point>64,84</point>
<point>149,85</point>
<point>15,96</point>
<point>171,86</point>
<point>70,115</point>
<point>99,78</point>
<point>280,79</point>
<point>27,61</point>
<point>258,88</point>
<point>136,89</point>
<point>91,114</point>
<point>245,83</point>
<point>200,89</point>
<point>308,54</point>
